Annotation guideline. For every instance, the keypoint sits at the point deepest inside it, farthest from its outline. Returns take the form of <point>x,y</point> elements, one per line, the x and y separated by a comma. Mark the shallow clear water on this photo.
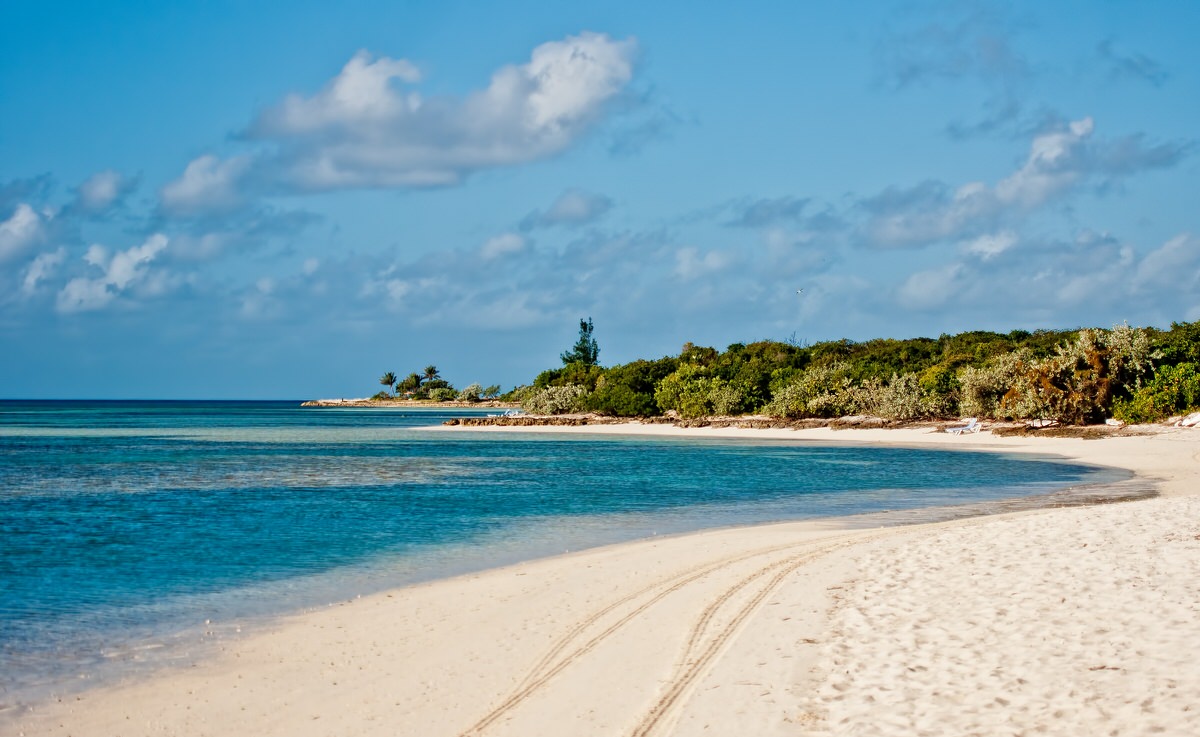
<point>128,525</point>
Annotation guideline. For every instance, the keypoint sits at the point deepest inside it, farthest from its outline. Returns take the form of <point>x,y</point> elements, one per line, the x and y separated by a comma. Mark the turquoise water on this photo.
<point>126,526</point>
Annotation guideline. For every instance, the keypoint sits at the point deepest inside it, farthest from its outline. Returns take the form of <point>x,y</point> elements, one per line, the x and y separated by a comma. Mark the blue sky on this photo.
<point>284,200</point>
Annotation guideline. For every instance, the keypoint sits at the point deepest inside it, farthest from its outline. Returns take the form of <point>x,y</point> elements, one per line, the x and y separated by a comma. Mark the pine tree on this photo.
<point>586,351</point>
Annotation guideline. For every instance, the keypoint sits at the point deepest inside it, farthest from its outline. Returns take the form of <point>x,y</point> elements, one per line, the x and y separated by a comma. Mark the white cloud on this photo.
<point>201,247</point>
<point>1173,266</point>
<point>505,244</point>
<point>19,232</point>
<point>988,247</point>
<point>362,94</point>
<point>791,255</point>
<point>459,288</point>
<point>1059,161</point>
<point>1053,165</point>
<point>925,290</point>
<point>573,207</point>
<point>207,184</point>
<point>363,130</point>
<point>42,268</point>
<point>249,229</point>
<point>122,272</point>
<point>1094,279</point>
<point>691,263</point>
<point>100,191</point>
<point>310,266</point>
<point>564,82</point>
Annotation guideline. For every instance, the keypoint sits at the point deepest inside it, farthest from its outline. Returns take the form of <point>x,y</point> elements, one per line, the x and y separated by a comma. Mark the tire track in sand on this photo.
<point>699,654</point>
<point>554,661</point>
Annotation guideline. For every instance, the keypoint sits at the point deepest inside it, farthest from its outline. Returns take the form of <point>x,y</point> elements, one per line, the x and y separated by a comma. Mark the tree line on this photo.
<point>1076,377</point>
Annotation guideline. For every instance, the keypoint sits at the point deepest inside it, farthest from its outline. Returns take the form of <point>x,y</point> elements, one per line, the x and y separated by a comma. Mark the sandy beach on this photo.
<point>1070,621</point>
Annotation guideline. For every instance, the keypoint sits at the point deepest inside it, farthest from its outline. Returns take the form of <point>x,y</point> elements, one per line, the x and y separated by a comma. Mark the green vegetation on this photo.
<point>586,350</point>
<point>1072,376</point>
<point>388,380</point>
<point>429,384</point>
<point>1173,389</point>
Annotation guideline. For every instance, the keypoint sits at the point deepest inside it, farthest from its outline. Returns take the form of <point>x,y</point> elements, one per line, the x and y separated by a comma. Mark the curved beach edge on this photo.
<point>1061,620</point>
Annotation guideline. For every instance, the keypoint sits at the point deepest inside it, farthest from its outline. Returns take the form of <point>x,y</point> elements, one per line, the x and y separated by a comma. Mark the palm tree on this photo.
<point>388,380</point>
<point>411,383</point>
<point>431,373</point>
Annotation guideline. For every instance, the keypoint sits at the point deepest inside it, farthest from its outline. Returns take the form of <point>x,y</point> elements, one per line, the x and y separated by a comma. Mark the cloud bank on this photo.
<point>121,272</point>
<point>101,191</point>
<point>21,231</point>
<point>1060,160</point>
<point>369,128</point>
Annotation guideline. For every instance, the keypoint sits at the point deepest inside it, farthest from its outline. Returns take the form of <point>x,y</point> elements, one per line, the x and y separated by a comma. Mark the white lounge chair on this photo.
<point>971,426</point>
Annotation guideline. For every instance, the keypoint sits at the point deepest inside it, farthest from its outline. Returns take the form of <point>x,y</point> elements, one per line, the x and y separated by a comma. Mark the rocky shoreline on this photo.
<point>855,422</point>
<point>407,404</point>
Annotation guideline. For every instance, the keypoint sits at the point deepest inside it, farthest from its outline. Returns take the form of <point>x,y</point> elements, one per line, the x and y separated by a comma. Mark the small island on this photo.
<point>424,389</point>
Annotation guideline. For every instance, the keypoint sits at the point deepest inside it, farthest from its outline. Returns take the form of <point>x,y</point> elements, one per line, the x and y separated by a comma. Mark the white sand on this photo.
<point>1079,622</point>
<point>1066,621</point>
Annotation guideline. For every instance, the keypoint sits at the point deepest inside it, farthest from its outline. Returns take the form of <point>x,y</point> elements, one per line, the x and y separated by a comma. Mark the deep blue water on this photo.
<point>126,525</point>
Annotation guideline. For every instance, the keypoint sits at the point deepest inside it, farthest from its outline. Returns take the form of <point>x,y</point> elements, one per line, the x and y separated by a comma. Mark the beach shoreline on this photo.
<point>658,623</point>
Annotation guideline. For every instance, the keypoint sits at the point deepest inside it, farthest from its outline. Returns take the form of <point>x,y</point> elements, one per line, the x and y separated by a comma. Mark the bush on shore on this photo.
<point>1173,390</point>
<point>555,400</point>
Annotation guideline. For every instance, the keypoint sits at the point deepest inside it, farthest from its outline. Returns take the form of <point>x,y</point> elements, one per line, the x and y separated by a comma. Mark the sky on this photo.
<point>287,199</point>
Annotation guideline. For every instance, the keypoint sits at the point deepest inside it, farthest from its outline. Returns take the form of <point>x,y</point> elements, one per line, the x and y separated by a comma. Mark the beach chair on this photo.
<point>971,426</point>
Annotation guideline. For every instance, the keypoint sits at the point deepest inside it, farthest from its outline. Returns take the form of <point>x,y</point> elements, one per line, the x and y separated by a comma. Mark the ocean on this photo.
<point>134,535</point>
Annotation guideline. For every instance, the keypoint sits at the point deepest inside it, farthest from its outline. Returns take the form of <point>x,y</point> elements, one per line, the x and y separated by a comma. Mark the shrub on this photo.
<point>698,354</point>
<point>472,393</point>
<point>628,390</point>
<point>518,394</point>
<point>692,392</point>
<point>1130,355</point>
<point>1173,389</point>
<point>685,391</point>
<point>819,391</point>
<point>555,400</point>
<point>584,375</point>
<point>620,400</point>
<point>443,394</point>
<point>983,389</point>
<point>726,399</point>
<point>1076,384</point>
<point>902,398</point>
<point>1180,344</point>
<point>1071,386</point>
